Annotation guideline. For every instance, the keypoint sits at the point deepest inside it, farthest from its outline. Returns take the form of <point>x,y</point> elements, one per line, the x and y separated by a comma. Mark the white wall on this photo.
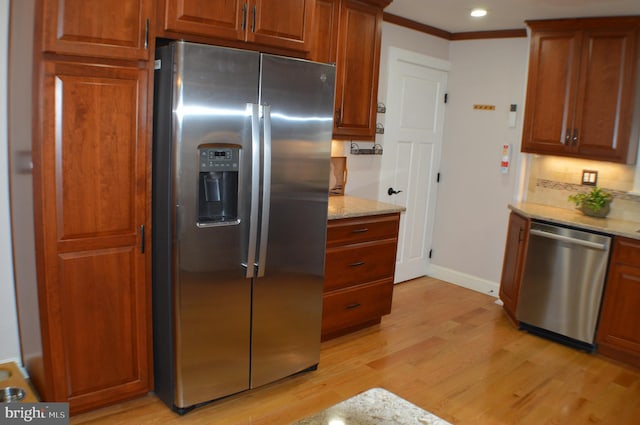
<point>365,169</point>
<point>472,215</point>
<point>9,343</point>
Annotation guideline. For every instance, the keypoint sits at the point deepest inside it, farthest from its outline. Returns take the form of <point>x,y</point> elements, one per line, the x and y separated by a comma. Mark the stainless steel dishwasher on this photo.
<point>562,284</point>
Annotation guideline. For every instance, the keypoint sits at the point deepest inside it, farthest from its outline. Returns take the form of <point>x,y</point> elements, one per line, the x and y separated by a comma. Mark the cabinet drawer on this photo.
<point>626,251</point>
<point>348,308</point>
<point>355,264</point>
<point>361,229</point>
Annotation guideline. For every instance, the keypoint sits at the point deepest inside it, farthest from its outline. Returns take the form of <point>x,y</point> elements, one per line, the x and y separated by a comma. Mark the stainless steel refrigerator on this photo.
<point>241,152</point>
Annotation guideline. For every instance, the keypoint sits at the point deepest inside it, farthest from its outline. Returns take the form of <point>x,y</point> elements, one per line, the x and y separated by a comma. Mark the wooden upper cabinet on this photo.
<point>221,19</point>
<point>93,185</point>
<point>359,38</point>
<point>325,31</point>
<point>582,89</point>
<point>111,29</point>
<point>349,33</point>
<point>553,78</point>
<point>283,24</point>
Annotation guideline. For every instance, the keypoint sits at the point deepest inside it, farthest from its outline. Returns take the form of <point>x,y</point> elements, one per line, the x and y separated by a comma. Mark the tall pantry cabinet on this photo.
<point>91,192</point>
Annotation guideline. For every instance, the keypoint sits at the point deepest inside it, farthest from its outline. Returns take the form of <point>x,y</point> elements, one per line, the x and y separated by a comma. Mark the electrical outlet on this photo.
<point>589,177</point>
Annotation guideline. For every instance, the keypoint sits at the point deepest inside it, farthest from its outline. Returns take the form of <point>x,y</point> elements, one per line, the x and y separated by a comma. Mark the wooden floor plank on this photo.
<point>449,350</point>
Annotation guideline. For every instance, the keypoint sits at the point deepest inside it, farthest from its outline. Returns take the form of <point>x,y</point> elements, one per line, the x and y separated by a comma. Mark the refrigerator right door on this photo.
<point>297,98</point>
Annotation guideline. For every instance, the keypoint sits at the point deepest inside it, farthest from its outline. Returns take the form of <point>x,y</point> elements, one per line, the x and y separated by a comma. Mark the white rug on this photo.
<point>376,406</point>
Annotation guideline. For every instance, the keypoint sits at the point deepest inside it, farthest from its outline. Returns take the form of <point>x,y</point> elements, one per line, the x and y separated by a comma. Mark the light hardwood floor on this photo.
<point>449,350</point>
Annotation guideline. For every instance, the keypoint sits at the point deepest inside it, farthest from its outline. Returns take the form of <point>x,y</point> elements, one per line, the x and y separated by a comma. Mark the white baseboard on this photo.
<point>12,359</point>
<point>465,280</point>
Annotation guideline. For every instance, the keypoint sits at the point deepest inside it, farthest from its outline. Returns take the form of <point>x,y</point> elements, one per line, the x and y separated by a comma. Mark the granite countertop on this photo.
<point>556,215</point>
<point>351,206</point>
<point>374,407</point>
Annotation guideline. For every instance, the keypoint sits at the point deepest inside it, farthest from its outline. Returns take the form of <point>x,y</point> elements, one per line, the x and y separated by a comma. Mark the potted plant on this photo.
<point>595,203</point>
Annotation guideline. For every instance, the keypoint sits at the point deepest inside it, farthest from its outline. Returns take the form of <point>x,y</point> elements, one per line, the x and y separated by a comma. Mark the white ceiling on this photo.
<point>453,15</point>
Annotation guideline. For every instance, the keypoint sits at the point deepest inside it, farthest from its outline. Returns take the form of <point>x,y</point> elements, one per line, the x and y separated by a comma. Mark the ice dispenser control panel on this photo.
<point>218,185</point>
<point>219,159</point>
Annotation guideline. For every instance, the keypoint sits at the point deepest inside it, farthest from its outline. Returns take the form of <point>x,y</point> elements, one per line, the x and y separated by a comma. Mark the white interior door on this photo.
<point>412,144</point>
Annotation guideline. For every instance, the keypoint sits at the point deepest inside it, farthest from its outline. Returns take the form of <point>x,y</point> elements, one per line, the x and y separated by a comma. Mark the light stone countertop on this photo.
<point>575,218</point>
<point>351,206</point>
<point>376,406</point>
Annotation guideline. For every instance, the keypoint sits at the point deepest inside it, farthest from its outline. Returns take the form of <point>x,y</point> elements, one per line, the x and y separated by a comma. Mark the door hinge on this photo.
<point>430,253</point>
<point>438,178</point>
<point>446,97</point>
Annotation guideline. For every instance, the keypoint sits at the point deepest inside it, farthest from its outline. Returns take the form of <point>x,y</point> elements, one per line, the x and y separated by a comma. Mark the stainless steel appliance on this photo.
<point>240,187</point>
<point>562,284</point>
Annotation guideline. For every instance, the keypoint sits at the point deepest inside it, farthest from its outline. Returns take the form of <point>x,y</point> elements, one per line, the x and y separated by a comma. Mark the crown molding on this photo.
<point>475,35</point>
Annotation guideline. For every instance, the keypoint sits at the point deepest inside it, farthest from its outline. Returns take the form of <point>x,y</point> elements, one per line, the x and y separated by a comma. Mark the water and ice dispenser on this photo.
<point>218,185</point>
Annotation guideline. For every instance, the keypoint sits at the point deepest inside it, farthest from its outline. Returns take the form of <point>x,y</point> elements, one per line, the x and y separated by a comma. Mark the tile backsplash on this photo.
<point>552,179</point>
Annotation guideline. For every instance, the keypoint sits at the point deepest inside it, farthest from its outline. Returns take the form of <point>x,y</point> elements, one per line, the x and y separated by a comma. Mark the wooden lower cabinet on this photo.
<point>512,267</point>
<point>359,269</point>
<point>618,334</point>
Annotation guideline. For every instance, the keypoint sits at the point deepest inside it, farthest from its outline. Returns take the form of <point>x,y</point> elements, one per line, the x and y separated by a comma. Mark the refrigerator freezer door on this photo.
<point>287,304</point>
<point>213,295</point>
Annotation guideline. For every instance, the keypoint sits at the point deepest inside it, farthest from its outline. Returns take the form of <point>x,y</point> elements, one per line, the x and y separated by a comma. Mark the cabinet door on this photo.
<point>512,266</point>
<point>97,28</point>
<point>605,102</point>
<point>357,71</point>
<point>619,329</point>
<point>278,23</point>
<point>281,23</point>
<point>93,190</point>
<point>220,19</point>
<point>552,86</point>
<point>325,31</point>
<point>582,89</point>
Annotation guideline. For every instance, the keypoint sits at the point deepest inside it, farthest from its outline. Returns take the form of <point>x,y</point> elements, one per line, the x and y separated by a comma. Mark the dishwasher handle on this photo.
<point>588,244</point>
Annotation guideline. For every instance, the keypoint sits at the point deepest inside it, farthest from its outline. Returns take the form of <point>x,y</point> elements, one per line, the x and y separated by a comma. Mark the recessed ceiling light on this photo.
<point>478,13</point>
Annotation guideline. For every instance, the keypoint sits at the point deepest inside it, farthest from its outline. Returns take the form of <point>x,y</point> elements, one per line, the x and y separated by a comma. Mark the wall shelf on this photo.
<point>356,150</point>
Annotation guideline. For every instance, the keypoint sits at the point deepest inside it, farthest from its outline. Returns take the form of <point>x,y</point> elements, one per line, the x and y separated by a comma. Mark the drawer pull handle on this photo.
<point>352,306</point>
<point>358,264</point>
<point>363,230</point>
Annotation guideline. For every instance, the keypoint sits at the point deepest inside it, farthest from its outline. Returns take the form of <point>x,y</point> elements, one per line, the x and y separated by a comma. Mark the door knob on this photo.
<point>390,191</point>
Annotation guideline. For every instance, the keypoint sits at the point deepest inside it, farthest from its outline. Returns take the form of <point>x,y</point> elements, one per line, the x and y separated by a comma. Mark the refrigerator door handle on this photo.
<point>266,191</point>
<point>255,188</point>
